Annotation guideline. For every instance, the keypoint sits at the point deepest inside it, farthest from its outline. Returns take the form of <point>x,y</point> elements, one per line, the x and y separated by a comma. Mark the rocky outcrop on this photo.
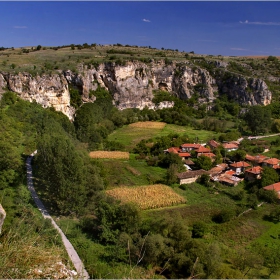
<point>3,84</point>
<point>133,85</point>
<point>246,91</point>
<point>2,217</point>
<point>49,91</point>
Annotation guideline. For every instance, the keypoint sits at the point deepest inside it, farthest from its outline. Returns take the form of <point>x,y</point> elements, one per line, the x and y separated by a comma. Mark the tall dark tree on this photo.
<point>258,119</point>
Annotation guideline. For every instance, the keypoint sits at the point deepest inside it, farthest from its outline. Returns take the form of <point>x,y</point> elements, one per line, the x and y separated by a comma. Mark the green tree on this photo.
<point>268,176</point>
<point>204,162</point>
<point>199,229</point>
<point>113,218</point>
<point>258,119</point>
<point>275,214</point>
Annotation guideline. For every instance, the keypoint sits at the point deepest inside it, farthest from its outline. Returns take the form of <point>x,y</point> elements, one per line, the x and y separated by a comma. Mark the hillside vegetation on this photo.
<point>197,230</point>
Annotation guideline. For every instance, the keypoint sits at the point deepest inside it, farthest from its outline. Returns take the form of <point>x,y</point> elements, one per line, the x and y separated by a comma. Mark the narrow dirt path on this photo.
<point>78,264</point>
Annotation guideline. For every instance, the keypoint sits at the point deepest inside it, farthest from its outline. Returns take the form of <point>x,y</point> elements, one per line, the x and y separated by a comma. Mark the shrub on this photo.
<point>199,229</point>
<point>223,216</point>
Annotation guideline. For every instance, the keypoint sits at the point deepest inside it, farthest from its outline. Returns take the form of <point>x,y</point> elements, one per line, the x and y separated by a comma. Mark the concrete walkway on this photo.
<point>78,264</point>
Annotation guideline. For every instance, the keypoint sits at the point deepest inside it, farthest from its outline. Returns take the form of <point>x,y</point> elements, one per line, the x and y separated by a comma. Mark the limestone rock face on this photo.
<point>2,216</point>
<point>251,92</point>
<point>132,85</point>
<point>49,91</point>
<point>3,84</point>
<point>189,81</point>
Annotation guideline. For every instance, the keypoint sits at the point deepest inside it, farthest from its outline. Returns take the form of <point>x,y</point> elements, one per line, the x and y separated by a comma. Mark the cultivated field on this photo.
<point>132,134</point>
<point>147,197</point>
<point>109,154</point>
<point>148,125</point>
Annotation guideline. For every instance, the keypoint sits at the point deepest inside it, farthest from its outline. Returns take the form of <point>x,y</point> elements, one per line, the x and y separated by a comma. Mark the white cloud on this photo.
<point>238,49</point>
<point>20,27</point>
<point>248,50</point>
<point>207,41</point>
<point>259,22</point>
<point>146,20</point>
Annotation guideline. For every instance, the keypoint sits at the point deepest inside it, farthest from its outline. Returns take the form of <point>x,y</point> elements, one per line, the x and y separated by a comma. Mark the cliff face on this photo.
<point>246,91</point>
<point>49,91</point>
<point>132,85</point>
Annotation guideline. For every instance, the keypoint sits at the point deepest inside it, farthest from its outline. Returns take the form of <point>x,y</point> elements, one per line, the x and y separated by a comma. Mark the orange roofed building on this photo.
<point>256,160</point>
<point>253,173</point>
<point>213,144</point>
<point>179,152</point>
<point>274,187</point>
<point>189,147</point>
<point>230,147</point>
<point>271,162</point>
<point>239,167</point>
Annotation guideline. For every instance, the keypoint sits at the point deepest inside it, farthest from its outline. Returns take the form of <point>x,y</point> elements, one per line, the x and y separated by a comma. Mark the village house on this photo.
<point>179,152</point>
<point>213,144</point>
<point>190,176</point>
<point>202,150</point>
<point>187,147</point>
<point>271,162</point>
<point>229,147</point>
<point>229,179</point>
<point>239,167</point>
<point>218,169</point>
<point>253,173</point>
<point>274,187</point>
<point>256,160</point>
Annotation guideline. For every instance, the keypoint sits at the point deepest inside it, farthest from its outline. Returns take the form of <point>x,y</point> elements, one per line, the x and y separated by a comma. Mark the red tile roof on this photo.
<point>230,172</point>
<point>207,155</point>
<point>213,143</point>
<point>184,154</point>
<point>274,187</point>
<point>250,158</point>
<point>272,161</point>
<point>189,145</point>
<point>218,169</point>
<point>258,158</point>
<point>240,164</point>
<point>230,146</point>
<point>255,170</point>
<point>202,149</point>
<point>174,150</point>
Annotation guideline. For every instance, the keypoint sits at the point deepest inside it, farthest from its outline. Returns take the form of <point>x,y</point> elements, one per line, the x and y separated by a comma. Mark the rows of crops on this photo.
<point>148,124</point>
<point>147,197</point>
<point>109,154</point>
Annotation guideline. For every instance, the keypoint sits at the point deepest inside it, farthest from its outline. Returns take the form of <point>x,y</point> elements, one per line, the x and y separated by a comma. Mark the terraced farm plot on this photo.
<point>109,155</point>
<point>149,125</point>
<point>147,197</point>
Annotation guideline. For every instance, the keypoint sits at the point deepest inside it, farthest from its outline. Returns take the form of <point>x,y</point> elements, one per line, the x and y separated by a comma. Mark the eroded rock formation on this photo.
<point>132,85</point>
<point>2,217</point>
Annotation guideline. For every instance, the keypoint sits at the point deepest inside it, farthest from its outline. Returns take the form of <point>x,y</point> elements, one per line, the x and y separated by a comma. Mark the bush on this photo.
<point>224,216</point>
<point>199,229</point>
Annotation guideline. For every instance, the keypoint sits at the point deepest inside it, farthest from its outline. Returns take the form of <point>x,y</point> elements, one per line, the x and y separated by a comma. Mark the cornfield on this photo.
<point>152,125</point>
<point>147,197</point>
<point>109,154</point>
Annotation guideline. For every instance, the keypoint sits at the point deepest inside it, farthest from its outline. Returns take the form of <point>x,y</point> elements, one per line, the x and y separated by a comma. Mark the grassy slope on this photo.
<point>130,136</point>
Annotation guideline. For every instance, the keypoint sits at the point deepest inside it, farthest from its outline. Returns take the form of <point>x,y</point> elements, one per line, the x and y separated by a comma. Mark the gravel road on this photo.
<point>78,264</point>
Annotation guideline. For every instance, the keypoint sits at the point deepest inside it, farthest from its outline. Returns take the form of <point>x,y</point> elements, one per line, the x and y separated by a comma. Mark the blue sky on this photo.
<point>220,27</point>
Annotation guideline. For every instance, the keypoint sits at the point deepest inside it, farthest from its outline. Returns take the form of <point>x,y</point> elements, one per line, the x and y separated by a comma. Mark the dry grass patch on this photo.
<point>109,154</point>
<point>152,125</point>
<point>147,197</point>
